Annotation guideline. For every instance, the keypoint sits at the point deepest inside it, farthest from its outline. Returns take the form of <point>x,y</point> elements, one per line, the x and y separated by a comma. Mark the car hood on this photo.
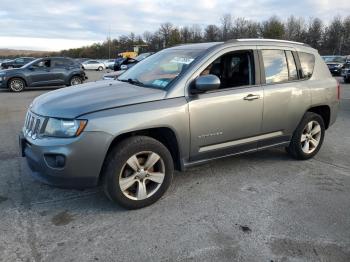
<point>75,101</point>
<point>11,70</point>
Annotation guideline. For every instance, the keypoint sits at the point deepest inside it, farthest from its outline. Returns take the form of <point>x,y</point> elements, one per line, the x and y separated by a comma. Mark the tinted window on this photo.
<point>307,62</point>
<point>234,69</point>
<point>275,64</point>
<point>293,73</point>
<point>61,62</point>
<point>42,63</point>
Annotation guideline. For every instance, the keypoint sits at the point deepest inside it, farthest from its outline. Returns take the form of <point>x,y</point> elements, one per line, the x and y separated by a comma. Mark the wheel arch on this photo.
<point>165,135</point>
<point>324,111</point>
<point>18,77</point>
<point>73,75</point>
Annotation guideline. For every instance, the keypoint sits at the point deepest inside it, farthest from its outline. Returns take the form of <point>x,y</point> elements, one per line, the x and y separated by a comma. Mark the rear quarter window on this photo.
<point>275,64</point>
<point>307,62</point>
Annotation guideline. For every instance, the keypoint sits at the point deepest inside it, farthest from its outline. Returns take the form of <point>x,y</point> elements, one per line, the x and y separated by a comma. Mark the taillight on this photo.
<point>338,90</point>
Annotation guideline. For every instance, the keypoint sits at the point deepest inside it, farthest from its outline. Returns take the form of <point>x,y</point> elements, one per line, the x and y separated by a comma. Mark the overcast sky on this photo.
<point>55,25</point>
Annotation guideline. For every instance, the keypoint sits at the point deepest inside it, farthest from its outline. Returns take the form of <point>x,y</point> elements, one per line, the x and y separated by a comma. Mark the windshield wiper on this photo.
<point>132,81</point>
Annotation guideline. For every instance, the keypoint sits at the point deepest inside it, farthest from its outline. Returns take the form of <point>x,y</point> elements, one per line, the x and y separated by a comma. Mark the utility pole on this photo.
<point>109,42</point>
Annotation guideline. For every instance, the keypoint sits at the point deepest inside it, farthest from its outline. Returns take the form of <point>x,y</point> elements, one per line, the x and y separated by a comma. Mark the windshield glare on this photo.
<point>161,68</point>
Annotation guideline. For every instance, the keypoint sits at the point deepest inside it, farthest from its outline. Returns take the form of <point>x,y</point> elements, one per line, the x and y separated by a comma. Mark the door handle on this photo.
<point>251,97</point>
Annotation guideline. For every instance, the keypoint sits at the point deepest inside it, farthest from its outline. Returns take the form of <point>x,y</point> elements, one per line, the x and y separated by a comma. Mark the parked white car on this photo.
<point>109,63</point>
<point>93,65</point>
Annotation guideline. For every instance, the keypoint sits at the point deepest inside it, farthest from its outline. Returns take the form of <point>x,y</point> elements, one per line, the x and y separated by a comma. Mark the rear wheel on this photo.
<point>308,137</point>
<point>137,172</point>
<point>75,80</point>
<point>16,84</point>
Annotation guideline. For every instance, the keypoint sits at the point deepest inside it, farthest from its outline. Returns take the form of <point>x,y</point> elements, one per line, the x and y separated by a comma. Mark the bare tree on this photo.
<point>212,33</point>
<point>226,26</point>
<point>295,29</point>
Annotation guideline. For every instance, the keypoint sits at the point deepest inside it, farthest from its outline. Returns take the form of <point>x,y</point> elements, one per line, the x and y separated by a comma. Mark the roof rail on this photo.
<point>265,40</point>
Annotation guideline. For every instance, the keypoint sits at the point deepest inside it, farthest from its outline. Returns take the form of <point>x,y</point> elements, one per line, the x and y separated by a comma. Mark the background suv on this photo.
<point>16,63</point>
<point>335,63</point>
<point>180,107</point>
<point>54,71</point>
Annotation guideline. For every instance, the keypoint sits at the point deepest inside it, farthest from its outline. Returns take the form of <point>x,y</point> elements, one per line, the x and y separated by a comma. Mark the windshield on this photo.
<point>160,69</point>
<point>335,59</point>
<point>142,56</point>
<point>32,62</point>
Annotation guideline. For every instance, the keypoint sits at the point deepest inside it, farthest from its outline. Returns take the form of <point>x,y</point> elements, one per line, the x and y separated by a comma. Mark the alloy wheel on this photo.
<point>142,175</point>
<point>310,137</point>
<point>17,85</point>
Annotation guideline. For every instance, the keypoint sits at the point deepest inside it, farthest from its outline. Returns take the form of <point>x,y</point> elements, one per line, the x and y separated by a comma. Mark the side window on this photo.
<point>60,63</point>
<point>234,69</point>
<point>43,63</point>
<point>307,62</point>
<point>292,68</point>
<point>275,64</point>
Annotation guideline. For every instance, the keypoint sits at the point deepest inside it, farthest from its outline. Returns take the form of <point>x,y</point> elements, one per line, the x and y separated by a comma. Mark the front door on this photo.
<point>41,74</point>
<point>227,120</point>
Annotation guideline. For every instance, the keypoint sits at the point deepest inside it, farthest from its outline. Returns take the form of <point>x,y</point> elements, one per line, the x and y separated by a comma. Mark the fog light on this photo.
<point>55,160</point>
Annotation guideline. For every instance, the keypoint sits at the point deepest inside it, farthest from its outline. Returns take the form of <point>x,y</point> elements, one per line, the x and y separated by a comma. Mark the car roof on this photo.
<point>245,41</point>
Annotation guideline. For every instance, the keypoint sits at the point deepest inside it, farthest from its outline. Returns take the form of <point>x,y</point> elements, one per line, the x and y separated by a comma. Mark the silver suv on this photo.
<point>180,107</point>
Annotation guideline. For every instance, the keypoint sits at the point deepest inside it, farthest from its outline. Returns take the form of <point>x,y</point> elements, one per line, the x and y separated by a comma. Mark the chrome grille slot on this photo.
<point>33,124</point>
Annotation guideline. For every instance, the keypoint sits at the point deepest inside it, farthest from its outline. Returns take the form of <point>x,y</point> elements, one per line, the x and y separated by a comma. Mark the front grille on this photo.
<point>33,124</point>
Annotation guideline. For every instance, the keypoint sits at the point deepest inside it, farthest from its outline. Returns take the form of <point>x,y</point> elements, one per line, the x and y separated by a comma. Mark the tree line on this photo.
<point>331,38</point>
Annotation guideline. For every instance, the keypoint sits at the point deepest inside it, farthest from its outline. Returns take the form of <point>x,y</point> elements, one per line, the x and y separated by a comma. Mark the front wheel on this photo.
<point>100,68</point>
<point>16,85</point>
<point>308,137</point>
<point>137,172</point>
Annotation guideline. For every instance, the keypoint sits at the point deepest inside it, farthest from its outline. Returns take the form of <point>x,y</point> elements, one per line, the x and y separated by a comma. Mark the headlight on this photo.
<point>64,128</point>
<point>339,65</point>
<point>2,77</point>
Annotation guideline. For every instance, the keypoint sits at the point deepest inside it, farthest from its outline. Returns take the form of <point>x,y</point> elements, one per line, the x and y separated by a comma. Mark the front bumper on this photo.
<point>3,83</point>
<point>83,159</point>
<point>335,70</point>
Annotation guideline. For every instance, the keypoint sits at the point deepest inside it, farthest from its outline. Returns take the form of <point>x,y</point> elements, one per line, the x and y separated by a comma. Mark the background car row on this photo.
<point>48,71</point>
<point>339,66</point>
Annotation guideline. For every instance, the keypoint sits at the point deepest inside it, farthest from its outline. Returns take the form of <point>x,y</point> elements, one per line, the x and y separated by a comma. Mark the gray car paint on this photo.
<point>83,99</point>
<point>207,126</point>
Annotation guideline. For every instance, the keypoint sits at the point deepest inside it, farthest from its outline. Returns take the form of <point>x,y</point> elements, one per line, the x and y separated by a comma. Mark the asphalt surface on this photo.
<point>257,207</point>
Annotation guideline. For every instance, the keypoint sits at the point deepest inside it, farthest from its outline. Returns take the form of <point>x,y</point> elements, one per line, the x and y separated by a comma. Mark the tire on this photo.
<point>100,68</point>
<point>16,85</point>
<point>308,137</point>
<point>75,80</point>
<point>347,80</point>
<point>127,163</point>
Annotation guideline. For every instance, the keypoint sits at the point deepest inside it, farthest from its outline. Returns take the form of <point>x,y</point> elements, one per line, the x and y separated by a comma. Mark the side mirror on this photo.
<point>31,68</point>
<point>206,83</point>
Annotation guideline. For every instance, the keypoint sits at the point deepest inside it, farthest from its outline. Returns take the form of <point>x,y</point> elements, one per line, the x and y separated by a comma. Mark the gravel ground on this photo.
<point>257,207</point>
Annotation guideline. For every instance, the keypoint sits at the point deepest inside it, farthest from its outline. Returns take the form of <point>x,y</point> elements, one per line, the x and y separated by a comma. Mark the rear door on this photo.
<point>60,68</point>
<point>285,97</point>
